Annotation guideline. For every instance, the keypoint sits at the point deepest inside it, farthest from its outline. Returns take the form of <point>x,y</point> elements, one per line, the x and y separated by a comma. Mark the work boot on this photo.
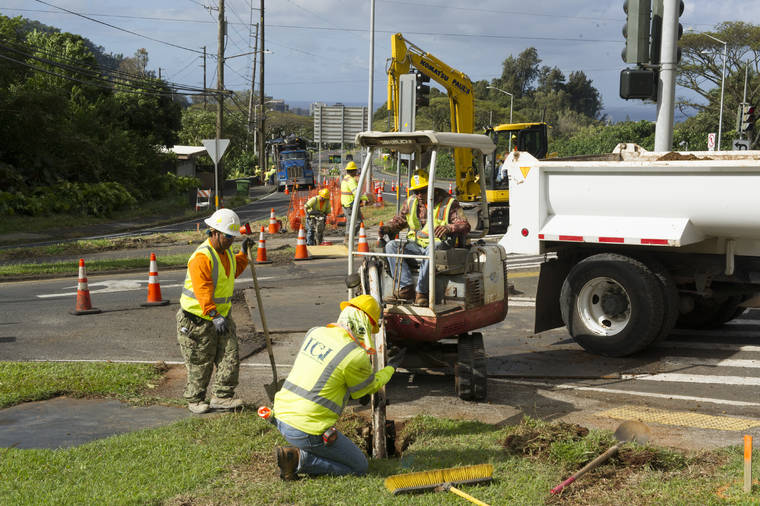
<point>404,293</point>
<point>421,299</point>
<point>287,461</point>
<point>197,407</point>
<point>225,403</point>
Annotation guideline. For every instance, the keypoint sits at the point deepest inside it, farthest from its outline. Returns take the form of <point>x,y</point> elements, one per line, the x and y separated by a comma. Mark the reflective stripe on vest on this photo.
<point>313,394</point>
<point>189,302</point>
<point>418,233</point>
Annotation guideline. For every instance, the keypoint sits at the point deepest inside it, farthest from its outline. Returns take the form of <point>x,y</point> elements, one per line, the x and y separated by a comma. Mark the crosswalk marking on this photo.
<point>680,418</point>
<point>693,378</point>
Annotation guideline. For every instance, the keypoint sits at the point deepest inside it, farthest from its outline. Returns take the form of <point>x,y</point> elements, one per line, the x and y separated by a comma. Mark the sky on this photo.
<point>320,48</point>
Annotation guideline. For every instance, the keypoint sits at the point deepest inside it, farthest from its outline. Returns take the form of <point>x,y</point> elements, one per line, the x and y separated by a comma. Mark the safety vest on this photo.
<point>347,190</point>
<point>224,284</point>
<point>317,204</point>
<point>329,367</point>
<point>419,234</point>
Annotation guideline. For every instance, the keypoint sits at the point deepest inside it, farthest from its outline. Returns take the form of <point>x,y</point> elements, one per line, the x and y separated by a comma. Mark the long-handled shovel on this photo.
<point>626,431</point>
<point>274,387</point>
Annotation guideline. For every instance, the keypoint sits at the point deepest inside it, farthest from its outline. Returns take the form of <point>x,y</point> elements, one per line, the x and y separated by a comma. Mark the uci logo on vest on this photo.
<point>316,350</point>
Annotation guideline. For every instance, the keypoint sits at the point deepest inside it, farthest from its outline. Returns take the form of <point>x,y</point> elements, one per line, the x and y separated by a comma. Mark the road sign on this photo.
<point>211,147</point>
<point>740,145</point>
<point>711,141</point>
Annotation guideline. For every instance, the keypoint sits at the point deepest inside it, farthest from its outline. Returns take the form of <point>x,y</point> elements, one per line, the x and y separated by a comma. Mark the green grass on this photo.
<point>70,268</point>
<point>229,459</point>
<point>34,381</point>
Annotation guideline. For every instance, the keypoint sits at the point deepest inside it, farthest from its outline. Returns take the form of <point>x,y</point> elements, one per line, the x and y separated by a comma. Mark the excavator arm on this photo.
<point>404,56</point>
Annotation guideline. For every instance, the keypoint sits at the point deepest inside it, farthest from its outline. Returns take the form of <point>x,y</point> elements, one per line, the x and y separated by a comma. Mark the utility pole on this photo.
<point>220,97</point>
<point>262,140</point>
<point>204,78</point>
<point>159,73</point>
<point>663,136</point>
<point>253,89</point>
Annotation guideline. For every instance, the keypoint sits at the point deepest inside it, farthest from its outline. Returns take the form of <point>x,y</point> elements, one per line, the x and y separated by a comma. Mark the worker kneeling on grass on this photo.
<point>449,222</point>
<point>317,208</point>
<point>333,361</point>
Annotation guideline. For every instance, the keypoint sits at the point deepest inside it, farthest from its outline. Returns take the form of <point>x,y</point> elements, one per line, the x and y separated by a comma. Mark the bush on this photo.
<point>99,199</point>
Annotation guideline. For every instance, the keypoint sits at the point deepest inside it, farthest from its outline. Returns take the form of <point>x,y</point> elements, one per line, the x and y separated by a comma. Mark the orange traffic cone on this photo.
<point>287,192</point>
<point>246,229</point>
<point>393,186</point>
<point>261,252</point>
<point>84,306</point>
<point>273,226</point>
<point>154,287</point>
<point>378,243</point>
<point>451,190</point>
<point>301,252</point>
<point>380,202</point>
<point>362,245</point>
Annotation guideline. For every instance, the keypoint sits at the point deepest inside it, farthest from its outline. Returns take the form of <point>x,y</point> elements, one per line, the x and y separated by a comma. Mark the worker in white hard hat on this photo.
<point>450,227</point>
<point>316,208</point>
<point>205,329</point>
<point>333,362</point>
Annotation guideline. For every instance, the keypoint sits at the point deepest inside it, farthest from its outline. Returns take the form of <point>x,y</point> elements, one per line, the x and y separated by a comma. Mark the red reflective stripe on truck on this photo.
<point>540,236</point>
<point>662,242</point>
<point>577,238</point>
<point>612,239</point>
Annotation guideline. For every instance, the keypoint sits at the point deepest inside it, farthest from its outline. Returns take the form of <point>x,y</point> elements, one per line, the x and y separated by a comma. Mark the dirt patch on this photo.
<point>172,383</point>
<point>675,156</point>
<point>534,440</point>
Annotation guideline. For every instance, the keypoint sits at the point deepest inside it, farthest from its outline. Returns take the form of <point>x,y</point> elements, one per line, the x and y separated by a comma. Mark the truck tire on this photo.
<point>470,374</point>
<point>612,304</point>
<point>710,313</point>
<point>670,298</point>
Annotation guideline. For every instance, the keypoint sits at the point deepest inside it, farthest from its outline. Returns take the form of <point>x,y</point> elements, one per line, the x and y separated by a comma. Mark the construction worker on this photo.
<point>257,174</point>
<point>348,188</point>
<point>205,329</point>
<point>317,208</point>
<point>332,362</point>
<point>270,174</point>
<point>450,224</point>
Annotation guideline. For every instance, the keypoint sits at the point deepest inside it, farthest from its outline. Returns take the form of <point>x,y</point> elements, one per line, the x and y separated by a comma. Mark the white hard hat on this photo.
<point>225,221</point>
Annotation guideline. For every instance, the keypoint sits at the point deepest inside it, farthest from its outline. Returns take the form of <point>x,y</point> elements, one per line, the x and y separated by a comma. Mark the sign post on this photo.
<point>215,149</point>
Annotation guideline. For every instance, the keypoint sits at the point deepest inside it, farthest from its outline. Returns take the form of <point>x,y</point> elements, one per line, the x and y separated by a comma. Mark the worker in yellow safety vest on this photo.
<point>450,226</point>
<point>348,189</point>
<point>317,208</point>
<point>206,331</point>
<point>333,362</point>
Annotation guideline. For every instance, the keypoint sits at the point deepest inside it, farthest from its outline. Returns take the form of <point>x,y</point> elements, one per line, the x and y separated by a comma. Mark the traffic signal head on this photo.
<point>638,83</point>
<point>422,95</point>
<point>747,122</point>
<point>636,31</point>
<point>654,50</point>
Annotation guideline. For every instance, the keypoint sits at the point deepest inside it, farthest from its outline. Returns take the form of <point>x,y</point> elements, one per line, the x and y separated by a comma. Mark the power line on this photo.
<point>119,28</point>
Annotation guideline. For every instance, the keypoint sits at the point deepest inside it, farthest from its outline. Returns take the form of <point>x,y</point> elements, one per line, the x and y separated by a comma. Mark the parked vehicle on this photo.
<point>644,241</point>
<point>293,163</point>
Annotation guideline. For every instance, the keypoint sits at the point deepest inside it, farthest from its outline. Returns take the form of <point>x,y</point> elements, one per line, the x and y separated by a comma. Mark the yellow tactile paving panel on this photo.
<point>680,418</point>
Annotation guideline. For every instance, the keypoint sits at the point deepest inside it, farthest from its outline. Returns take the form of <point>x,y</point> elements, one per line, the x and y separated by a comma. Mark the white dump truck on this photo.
<point>638,242</point>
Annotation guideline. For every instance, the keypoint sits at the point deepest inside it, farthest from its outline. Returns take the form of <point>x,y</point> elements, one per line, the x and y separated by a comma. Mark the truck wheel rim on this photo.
<point>603,306</point>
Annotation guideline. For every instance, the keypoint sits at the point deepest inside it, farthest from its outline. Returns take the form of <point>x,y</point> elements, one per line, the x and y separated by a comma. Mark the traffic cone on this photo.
<point>451,190</point>
<point>273,226</point>
<point>362,245</point>
<point>379,242</point>
<point>301,252</point>
<point>380,202</point>
<point>287,192</point>
<point>246,229</point>
<point>154,287</point>
<point>84,306</point>
<point>261,252</point>
<point>393,186</point>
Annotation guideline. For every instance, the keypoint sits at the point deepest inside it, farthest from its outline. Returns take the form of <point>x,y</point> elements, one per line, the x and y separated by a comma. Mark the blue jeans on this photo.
<point>411,248</point>
<point>341,457</point>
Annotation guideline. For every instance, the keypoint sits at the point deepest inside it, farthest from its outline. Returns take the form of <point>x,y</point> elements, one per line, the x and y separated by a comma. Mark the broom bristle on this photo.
<point>425,480</point>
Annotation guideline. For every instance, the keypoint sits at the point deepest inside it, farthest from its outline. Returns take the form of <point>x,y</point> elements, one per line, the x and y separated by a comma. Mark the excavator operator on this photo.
<point>450,224</point>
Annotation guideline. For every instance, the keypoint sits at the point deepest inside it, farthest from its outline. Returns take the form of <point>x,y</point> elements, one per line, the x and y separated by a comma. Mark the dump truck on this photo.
<point>637,242</point>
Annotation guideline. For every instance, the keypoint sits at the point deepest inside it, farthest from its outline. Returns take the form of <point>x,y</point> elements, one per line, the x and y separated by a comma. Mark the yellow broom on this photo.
<point>441,479</point>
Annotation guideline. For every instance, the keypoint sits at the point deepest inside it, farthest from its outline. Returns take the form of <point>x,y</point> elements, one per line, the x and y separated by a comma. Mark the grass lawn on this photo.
<point>229,458</point>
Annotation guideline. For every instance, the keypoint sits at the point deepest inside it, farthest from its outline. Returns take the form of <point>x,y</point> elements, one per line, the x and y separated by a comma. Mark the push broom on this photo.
<point>441,479</point>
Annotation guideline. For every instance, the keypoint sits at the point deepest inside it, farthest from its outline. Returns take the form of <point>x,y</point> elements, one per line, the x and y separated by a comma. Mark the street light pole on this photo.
<point>722,82</point>
<point>511,103</point>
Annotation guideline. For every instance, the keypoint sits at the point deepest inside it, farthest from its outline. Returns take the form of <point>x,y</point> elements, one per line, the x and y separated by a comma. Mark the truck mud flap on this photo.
<point>552,275</point>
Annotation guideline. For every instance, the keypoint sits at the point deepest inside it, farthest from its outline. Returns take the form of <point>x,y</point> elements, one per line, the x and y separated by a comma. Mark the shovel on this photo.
<point>626,432</point>
<point>276,385</point>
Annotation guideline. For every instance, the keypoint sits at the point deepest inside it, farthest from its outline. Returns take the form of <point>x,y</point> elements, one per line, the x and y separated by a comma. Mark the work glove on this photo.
<point>246,246</point>
<point>396,357</point>
<point>220,324</point>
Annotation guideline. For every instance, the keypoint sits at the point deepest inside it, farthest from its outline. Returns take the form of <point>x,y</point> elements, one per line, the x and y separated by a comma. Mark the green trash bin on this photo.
<point>242,186</point>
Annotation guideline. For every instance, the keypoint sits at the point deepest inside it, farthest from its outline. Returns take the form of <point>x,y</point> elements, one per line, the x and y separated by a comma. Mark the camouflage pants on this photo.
<point>202,348</point>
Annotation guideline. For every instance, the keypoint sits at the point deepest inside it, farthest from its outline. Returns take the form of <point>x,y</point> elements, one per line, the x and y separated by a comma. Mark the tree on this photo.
<point>702,66</point>
<point>518,74</point>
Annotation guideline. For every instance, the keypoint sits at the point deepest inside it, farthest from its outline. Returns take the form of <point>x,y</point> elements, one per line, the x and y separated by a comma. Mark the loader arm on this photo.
<point>405,55</point>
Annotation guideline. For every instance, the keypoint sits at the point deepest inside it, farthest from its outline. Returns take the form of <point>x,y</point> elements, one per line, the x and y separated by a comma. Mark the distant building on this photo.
<point>278,105</point>
<point>315,105</point>
<point>186,158</point>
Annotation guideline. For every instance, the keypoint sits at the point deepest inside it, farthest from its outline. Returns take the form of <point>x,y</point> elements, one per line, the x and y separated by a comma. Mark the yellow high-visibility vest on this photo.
<point>329,366</point>
<point>224,284</point>
<point>317,204</point>
<point>419,234</point>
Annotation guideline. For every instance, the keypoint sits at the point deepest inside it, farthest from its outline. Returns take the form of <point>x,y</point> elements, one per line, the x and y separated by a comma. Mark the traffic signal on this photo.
<point>636,31</point>
<point>747,120</point>
<point>654,49</point>
<point>422,95</point>
<point>639,83</point>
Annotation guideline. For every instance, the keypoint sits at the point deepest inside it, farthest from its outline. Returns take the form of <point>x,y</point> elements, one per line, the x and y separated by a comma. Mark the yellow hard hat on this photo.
<point>324,193</point>
<point>351,166</point>
<point>419,180</point>
<point>369,305</point>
